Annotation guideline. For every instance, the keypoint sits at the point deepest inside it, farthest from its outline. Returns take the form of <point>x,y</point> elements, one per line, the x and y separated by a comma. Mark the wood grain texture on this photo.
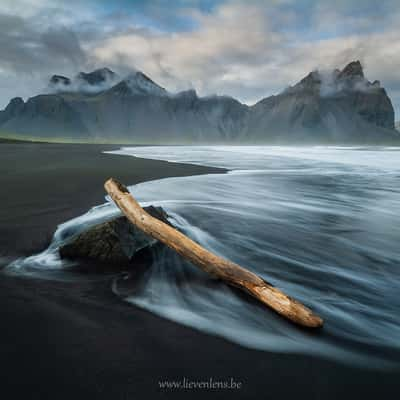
<point>231,273</point>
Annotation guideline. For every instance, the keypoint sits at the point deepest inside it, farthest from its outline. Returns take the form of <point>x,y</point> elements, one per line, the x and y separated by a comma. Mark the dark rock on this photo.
<point>60,80</point>
<point>311,83</point>
<point>98,76</point>
<point>15,105</point>
<point>114,242</point>
<point>351,70</point>
<point>14,108</point>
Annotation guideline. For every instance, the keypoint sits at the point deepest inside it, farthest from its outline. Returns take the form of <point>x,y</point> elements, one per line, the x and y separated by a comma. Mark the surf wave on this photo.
<point>323,224</point>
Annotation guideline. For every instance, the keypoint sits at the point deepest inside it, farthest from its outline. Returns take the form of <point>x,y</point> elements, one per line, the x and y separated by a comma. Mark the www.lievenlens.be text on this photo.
<point>209,384</point>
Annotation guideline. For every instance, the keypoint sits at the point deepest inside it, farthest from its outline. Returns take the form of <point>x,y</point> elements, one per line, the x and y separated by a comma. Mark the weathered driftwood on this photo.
<point>217,266</point>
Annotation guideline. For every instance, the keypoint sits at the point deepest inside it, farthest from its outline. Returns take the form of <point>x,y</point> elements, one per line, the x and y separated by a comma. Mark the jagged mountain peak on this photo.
<point>140,83</point>
<point>97,76</point>
<point>84,82</point>
<point>312,82</point>
<point>334,82</point>
<point>352,70</point>
<point>325,106</point>
<point>15,102</point>
<point>338,105</point>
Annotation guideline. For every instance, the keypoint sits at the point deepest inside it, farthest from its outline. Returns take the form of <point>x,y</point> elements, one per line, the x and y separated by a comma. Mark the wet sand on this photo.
<point>77,340</point>
<point>43,185</point>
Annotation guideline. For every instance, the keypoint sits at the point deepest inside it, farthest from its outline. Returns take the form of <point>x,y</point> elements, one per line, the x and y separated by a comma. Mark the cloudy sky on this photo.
<point>246,49</point>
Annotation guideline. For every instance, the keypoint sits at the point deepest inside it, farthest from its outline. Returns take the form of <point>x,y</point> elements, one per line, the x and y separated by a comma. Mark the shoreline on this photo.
<point>49,184</point>
<point>17,139</point>
<point>78,339</point>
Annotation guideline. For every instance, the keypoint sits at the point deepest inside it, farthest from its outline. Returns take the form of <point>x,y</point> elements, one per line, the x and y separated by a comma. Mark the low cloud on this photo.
<point>240,51</point>
<point>79,84</point>
<point>31,53</point>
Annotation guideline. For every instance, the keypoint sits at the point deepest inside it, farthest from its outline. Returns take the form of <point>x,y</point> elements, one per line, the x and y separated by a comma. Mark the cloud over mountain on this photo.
<point>245,49</point>
<point>340,106</point>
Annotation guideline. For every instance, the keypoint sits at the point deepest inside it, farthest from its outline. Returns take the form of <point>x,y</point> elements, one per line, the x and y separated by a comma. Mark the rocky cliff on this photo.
<point>339,106</point>
<point>324,107</point>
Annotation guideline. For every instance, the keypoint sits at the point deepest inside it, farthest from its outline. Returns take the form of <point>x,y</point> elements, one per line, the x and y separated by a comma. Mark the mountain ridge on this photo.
<point>339,106</point>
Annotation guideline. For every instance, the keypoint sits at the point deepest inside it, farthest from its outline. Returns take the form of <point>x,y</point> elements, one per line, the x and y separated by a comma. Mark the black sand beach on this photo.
<point>77,340</point>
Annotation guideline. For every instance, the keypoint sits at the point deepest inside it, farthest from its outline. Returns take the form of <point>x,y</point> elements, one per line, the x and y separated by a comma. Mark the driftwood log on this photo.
<point>228,271</point>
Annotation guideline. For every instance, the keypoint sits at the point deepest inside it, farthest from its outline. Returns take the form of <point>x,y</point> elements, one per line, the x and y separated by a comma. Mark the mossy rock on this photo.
<point>114,242</point>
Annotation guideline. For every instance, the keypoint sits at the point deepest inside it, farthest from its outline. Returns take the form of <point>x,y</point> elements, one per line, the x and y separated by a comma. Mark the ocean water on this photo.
<point>320,223</point>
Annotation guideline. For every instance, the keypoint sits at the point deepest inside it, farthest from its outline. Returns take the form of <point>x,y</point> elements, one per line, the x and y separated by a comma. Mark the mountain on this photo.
<point>340,106</point>
<point>334,107</point>
<point>98,76</point>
